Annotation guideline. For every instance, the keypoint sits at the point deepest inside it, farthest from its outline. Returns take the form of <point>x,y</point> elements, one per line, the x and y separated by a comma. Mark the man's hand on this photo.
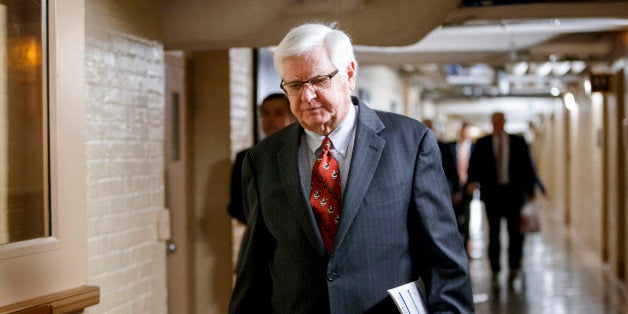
<point>472,186</point>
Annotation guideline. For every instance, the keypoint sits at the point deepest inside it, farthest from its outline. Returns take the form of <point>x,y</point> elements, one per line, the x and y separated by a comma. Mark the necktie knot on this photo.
<point>326,145</point>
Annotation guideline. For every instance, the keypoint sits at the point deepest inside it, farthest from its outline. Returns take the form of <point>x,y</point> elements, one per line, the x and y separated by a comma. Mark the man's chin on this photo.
<point>320,129</point>
<point>316,119</point>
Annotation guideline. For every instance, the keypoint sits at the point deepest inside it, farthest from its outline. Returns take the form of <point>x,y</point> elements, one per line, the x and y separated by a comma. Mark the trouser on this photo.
<point>462,210</point>
<point>503,202</point>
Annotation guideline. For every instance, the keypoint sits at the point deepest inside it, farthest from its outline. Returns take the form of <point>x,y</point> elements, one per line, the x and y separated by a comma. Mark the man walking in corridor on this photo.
<point>346,204</point>
<point>502,168</point>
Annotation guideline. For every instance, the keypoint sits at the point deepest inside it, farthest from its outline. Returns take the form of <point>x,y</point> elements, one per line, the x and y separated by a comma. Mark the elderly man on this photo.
<point>347,203</point>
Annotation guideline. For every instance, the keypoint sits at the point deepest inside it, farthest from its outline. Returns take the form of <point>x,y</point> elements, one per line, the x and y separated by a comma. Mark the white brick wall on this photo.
<point>240,89</point>
<point>241,92</point>
<point>125,124</point>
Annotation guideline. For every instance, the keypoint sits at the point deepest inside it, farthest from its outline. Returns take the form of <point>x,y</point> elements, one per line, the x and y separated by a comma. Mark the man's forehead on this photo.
<point>307,62</point>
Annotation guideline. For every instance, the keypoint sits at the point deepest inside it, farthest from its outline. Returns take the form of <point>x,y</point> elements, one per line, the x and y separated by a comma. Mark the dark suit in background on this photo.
<point>236,206</point>
<point>503,200</point>
<point>460,198</point>
<point>275,114</point>
<point>449,165</point>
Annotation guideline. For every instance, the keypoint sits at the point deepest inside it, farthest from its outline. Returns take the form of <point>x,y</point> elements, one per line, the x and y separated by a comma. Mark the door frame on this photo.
<point>178,186</point>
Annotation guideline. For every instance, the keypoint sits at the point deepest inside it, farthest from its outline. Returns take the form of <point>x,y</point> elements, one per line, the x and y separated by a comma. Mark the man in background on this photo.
<point>460,152</point>
<point>449,165</point>
<point>455,160</point>
<point>275,114</point>
<point>502,168</point>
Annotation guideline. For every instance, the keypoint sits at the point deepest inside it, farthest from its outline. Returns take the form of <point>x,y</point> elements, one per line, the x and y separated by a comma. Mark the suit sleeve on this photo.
<point>476,162</point>
<point>449,165</point>
<point>253,287</point>
<point>442,260</point>
<point>236,207</point>
<point>531,178</point>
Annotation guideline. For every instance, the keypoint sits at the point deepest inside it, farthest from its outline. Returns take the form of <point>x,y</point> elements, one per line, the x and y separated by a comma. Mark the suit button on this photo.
<point>332,276</point>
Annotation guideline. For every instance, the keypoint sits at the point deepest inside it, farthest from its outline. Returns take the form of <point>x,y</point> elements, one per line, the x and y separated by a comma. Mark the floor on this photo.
<point>557,276</point>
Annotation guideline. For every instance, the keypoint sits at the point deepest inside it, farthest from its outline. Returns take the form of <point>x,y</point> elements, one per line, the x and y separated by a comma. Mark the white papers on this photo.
<point>408,299</point>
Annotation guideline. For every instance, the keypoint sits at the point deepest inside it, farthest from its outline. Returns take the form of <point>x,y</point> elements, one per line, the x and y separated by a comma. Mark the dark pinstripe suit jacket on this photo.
<point>397,225</point>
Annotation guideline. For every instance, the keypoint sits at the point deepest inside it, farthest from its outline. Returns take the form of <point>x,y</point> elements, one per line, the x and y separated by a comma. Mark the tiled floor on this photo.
<point>557,276</point>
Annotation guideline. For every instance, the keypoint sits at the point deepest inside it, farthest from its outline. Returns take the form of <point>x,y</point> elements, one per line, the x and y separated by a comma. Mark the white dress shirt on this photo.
<point>342,139</point>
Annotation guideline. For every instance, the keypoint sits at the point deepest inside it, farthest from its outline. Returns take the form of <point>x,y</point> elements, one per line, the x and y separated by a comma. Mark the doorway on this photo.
<point>180,267</point>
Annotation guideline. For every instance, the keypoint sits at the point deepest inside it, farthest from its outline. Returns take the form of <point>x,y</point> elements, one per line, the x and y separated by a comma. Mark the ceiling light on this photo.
<point>503,84</point>
<point>555,91</point>
<point>544,69</point>
<point>570,102</point>
<point>520,68</point>
<point>561,68</point>
<point>578,66</point>
<point>480,69</point>
<point>587,86</point>
<point>429,67</point>
<point>408,67</point>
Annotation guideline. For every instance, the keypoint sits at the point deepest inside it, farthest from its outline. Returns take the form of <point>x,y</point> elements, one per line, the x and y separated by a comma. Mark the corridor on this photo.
<point>558,276</point>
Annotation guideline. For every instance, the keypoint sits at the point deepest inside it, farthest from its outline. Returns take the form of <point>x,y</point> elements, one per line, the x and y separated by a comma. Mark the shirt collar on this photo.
<point>340,136</point>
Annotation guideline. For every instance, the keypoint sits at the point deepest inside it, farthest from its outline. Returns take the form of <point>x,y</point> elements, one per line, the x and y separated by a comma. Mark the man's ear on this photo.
<point>351,74</point>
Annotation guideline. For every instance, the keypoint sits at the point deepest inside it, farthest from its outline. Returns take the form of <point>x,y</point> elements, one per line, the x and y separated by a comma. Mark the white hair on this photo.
<point>303,38</point>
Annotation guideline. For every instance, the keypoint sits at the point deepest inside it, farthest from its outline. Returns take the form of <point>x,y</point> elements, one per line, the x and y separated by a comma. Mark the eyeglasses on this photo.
<point>318,82</point>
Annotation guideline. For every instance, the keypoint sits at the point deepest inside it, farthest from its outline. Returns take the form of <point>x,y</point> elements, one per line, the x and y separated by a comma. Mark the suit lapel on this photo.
<point>288,165</point>
<point>367,150</point>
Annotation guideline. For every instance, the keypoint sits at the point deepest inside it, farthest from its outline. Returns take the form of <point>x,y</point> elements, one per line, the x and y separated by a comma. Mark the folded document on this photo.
<point>408,299</point>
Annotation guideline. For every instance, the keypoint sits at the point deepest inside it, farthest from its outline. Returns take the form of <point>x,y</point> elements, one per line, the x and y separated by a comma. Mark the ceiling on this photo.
<point>477,48</point>
<point>219,24</point>
<point>510,50</point>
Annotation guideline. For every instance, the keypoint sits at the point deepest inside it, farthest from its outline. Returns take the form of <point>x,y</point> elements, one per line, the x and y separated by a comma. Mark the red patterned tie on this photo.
<point>325,194</point>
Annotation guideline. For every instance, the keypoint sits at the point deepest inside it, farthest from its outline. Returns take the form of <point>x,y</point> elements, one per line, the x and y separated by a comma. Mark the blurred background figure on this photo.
<point>429,123</point>
<point>275,113</point>
<point>455,159</point>
<point>449,166</point>
<point>460,152</point>
<point>502,168</point>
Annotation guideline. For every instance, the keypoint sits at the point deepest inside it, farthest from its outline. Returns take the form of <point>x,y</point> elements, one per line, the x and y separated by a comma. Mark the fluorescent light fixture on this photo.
<point>555,91</point>
<point>544,69</point>
<point>578,66</point>
<point>561,68</point>
<point>570,102</point>
<point>587,86</point>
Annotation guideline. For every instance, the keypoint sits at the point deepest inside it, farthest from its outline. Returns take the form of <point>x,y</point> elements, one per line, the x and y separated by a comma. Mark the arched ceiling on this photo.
<point>449,49</point>
<point>219,24</point>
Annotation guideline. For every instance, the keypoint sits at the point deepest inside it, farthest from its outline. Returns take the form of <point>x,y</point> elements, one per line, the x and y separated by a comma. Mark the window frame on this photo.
<point>42,266</point>
<point>48,242</point>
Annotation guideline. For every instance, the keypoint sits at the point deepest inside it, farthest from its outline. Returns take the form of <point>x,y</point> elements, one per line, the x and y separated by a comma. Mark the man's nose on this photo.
<point>309,92</point>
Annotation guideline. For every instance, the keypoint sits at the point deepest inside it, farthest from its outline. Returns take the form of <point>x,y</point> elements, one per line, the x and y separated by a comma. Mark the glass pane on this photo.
<point>23,206</point>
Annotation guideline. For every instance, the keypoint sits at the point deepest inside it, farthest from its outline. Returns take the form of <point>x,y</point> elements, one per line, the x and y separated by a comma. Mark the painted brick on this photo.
<point>125,185</point>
